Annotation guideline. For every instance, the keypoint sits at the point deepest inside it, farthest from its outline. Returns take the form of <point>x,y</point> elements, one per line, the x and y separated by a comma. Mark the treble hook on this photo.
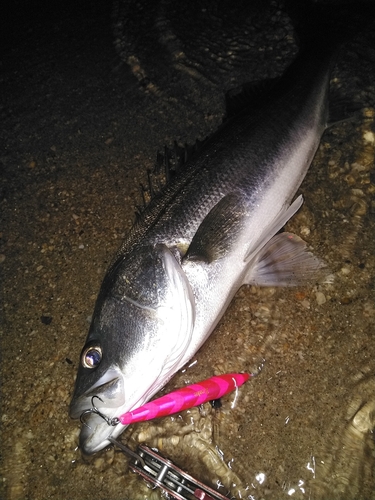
<point>110,421</point>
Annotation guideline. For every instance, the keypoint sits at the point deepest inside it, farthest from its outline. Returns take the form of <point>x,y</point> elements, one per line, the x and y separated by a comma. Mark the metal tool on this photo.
<point>160,472</point>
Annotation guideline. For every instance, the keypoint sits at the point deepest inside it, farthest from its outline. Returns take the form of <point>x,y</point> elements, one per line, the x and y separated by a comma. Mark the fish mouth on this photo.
<point>96,408</point>
<point>106,394</point>
<point>95,434</point>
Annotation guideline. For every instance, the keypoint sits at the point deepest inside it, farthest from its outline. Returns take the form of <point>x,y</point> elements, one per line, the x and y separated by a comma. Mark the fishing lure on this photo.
<point>185,398</point>
<point>176,401</point>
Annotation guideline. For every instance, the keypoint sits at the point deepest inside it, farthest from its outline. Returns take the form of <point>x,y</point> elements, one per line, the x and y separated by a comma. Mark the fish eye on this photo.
<point>91,356</point>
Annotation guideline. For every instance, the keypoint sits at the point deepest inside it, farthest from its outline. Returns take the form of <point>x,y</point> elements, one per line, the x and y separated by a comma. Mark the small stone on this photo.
<point>369,137</point>
<point>46,320</point>
<point>175,440</point>
<point>320,298</point>
<point>345,270</point>
<point>346,300</point>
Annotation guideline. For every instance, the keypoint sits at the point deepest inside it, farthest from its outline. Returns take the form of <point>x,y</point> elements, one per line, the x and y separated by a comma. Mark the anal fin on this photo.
<point>284,261</point>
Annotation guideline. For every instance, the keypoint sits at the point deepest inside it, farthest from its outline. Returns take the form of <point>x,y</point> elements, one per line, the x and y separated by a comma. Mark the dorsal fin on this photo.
<point>168,163</point>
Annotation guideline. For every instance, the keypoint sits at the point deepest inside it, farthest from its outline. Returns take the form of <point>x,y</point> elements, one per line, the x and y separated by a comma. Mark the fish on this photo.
<point>214,228</point>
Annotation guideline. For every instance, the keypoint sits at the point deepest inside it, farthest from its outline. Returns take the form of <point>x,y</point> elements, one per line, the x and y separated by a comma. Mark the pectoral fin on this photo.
<point>217,232</point>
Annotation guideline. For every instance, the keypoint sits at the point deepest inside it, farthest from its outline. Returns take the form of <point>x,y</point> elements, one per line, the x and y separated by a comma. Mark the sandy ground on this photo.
<point>78,131</point>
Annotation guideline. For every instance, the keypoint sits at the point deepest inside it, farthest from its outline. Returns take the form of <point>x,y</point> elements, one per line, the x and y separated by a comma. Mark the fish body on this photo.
<point>209,232</point>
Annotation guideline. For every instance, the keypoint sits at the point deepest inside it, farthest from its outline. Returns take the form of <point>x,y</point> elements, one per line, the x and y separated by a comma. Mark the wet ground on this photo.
<point>79,127</point>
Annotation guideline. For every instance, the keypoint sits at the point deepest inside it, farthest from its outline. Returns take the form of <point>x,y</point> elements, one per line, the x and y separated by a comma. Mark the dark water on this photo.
<point>79,128</point>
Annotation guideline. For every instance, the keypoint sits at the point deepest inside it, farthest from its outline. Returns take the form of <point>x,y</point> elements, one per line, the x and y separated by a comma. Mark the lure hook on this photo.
<point>94,409</point>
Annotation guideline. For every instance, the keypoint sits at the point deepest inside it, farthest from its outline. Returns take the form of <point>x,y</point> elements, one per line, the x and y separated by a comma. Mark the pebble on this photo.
<point>369,137</point>
<point>345,270</point>
<point>305,231</point>
<point>320,298</point>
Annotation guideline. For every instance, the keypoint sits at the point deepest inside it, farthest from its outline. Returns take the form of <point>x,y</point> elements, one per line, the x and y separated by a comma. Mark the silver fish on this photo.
<point>213,229</point>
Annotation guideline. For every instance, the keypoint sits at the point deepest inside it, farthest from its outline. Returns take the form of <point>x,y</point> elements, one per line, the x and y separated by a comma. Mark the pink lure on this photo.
<point>185,398</point>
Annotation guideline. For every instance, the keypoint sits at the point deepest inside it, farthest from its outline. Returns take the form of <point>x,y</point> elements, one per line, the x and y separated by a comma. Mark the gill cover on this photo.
<point>142,325</point>
<point>176,316</point>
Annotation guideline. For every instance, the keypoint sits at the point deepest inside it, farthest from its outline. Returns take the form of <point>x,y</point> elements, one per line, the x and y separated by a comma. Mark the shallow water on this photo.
<point>78,135</point>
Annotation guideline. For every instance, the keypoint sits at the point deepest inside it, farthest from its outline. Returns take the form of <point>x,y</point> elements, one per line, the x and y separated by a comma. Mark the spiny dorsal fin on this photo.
<point>167,165</point>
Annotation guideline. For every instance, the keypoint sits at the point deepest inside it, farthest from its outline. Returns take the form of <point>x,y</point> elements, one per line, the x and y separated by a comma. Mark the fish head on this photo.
<point>142,324</point>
